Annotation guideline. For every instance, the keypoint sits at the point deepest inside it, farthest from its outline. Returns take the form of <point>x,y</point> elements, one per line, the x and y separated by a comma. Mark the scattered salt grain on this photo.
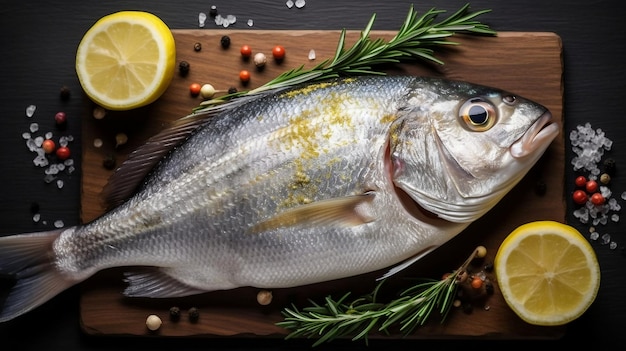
<point>613,245</point>
<point>49,135</point>
<point>594,236</point>
<point>59,184</point>
<point>289,3</point>
<point>36,217</point>
<point>201,19</point>
<point>26,135</point>
<point>312,55</point>
<point>58,223</point>
<point>606,238</point>
<point>34,127</point>
<point>250,23</point>
<point>39,141</point>
<point>30,110</point>
<point>300,3</point>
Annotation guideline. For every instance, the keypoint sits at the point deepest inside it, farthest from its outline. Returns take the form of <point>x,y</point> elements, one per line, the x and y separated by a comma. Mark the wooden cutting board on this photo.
<point>529,64</point>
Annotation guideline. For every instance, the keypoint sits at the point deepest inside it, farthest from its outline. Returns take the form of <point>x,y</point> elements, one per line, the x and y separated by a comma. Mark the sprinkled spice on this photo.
<point>197,46</point>
<point>605,178</point>
<point>194,89</point>
<point>609,166</point>
<point>244,76</point>
<point>174,314</point>
<point>246,51</point>
<point>232,90</point>
<point>225,42</point>
<point>183,68</point>
<point>194,314</point>
<point>260,60</point>
<point>109,162</point>
<point>264,297</point>
<point>65,93</point>
<point>153,322</point>
<point>63,153</point>
<point>60,118</point>
<point>278,52</point>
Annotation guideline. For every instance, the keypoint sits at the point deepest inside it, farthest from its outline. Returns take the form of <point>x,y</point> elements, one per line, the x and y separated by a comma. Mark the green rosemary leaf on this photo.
<point>415,39</point>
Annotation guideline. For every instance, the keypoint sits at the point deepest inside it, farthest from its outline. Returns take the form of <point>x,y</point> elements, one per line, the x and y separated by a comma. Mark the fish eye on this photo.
<point>478,114</point>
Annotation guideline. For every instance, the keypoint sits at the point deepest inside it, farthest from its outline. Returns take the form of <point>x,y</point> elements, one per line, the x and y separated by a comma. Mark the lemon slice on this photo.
<point>126,60</point>
<point>548,272</point>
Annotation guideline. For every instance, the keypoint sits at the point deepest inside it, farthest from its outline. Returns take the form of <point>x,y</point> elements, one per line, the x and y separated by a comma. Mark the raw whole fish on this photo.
<point>295,186</point>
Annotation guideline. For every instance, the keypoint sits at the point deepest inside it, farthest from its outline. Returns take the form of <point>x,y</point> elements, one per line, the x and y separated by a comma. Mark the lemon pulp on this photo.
<point>548,273</point>
<point>126,60</point>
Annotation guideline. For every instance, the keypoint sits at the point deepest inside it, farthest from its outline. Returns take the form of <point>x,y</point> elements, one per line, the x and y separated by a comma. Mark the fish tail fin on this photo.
<point>27,259</point>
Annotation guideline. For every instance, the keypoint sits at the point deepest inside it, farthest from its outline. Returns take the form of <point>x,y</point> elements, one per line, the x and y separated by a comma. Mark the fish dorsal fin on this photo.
<point>127,178</point>
<point>349,210</point>
<point>408,262</point>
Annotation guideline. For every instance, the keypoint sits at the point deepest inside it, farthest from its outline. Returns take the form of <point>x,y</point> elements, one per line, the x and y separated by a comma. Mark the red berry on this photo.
<point>597,199</point>
<point>48,146</point>
<point>278,52</point>
<point>194,89</point>
<point>60,118</point>
<point>581,181</point>
<point>591,186</point>
<point>63,153</point>
<point>246,51</point>
<point>579,197</point>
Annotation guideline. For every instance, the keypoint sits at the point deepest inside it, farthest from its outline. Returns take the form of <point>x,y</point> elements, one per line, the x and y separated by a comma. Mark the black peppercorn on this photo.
<point>194,314</point>
<point>183,68</point>
<point>174,314</point>
<point>609,166</point>
<point>109,162</point>
<point>197,46</point>
<point>225,41</point>
<point>65,93</point>
<point>489,288</point>
<point>488,267</point>
<point>232,90</point>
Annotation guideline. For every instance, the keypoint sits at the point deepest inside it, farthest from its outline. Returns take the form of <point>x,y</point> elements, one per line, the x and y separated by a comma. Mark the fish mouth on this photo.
<point>540,134</point>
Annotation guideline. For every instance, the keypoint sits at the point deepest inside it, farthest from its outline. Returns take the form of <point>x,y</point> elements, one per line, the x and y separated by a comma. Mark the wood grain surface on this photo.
<point>528,64</point>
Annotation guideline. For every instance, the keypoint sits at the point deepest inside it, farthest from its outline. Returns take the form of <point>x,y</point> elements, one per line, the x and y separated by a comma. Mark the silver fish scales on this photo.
<point>297,186</point>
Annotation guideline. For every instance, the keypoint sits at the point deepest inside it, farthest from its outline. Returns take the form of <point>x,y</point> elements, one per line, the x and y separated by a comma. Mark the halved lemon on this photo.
<point>126,60</point>
<point>547,272</point>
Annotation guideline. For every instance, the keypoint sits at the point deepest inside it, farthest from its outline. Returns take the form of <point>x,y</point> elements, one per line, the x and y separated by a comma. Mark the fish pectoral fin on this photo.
<point>406,263</point>
<point>156,283</point>
<point>350,210</point>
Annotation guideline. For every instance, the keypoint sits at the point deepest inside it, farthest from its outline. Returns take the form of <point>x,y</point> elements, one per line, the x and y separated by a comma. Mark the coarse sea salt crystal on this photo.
<point>300,3</point>
<point>58,223</point>
<point>34,127</point>
<point>594,236</point>
<point>30,110</point>
<point>201,19</point>
<point>36,217</point>
<point>289,3</point>
<point>312,55</point>
<point>250,23</point>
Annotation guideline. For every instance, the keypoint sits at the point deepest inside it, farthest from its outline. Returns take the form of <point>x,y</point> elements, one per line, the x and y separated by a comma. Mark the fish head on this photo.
<point>457,148</point>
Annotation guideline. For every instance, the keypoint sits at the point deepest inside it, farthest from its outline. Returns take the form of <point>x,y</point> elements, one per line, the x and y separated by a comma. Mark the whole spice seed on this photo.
<point>264,297</point>
<point>194,314</point>
<point>197,46</point>
<point>65,93</point>
<point>153,322</point>
<point>183,68</point>
<point>225,42</point>
<point>174,314</point>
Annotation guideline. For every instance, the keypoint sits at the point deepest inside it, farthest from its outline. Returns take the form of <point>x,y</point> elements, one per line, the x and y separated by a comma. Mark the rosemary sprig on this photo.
<point>338,318</point>
<point>415,39</point>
